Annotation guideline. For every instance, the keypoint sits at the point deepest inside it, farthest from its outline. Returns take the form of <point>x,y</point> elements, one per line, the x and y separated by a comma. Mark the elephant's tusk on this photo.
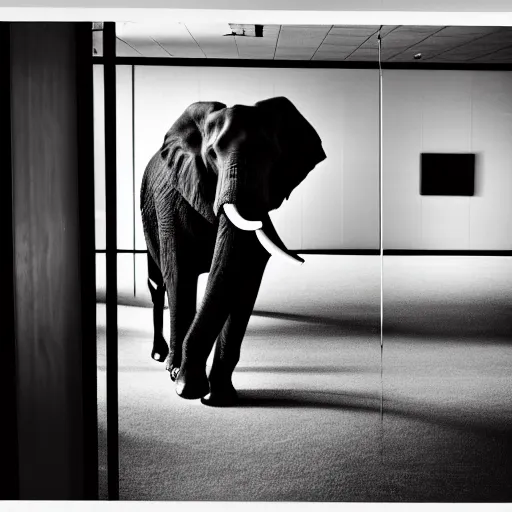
<point>238,221</point>
<point>274,250</point>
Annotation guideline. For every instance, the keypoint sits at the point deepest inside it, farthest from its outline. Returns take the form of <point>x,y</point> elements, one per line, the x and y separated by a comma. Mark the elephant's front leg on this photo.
<point>182,296</point>
<point>227,350</point>
<point>232,249</point>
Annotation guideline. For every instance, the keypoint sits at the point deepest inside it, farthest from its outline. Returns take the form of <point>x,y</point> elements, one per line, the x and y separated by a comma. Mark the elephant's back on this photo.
<point>167,218</point>
<point>155,178</point>
<point>152,177</point>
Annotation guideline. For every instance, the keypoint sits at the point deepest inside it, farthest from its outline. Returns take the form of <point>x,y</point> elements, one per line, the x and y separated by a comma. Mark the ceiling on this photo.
<point>356,43</point>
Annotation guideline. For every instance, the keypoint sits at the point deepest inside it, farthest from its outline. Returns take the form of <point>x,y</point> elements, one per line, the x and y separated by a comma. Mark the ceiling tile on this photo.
<point>269,55</point>
<point>417,29</point>
<point>433,45</point>
<point>140,39</point>
<point>446,42</point>
<point>321,28</point>
<point>461,31</point>
<point>386,29</point>
<point>331,56</point>
<point>322,58</point>
<point>409,57</point>
<point>476,50</point>
<point>271,29</point>
<point>340,48</point>
<point>125,50</point>
<point>319,56</point>
<point>504,36</point>
<point>176,40</point>
<point>363,58</point>
<point>502,56</point>
<point>148,48</point>
<point>364,53</point>
<point>343,41</point>
<point>285,53</point>
<point>302,36</point>
<point>447,57</point>
<point>255,42</point>
<point>353,32</point>
<point>368,27</point>
<point>212,39</point>
<point>185,50</point>
<point>403,38</point>
<point>297,49</point>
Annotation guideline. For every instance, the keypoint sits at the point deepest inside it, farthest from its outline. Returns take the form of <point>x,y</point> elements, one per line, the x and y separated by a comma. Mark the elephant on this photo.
<point>205,199</point>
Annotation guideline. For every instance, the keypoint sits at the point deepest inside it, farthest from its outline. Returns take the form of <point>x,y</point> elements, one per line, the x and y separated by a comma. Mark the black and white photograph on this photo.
<point>258,256</point>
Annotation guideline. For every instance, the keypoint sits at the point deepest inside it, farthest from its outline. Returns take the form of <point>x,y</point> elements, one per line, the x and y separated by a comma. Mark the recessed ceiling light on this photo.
<point>246,30</point>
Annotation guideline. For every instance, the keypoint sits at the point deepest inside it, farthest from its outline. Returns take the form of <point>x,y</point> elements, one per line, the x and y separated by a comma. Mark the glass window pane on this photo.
<point>125,278</point>
<point>99,156</point>
<point>125,190</point>
<point>101,374</point>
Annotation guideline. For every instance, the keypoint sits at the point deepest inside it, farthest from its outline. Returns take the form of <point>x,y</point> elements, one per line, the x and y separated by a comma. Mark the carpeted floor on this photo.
<point>321,419</point>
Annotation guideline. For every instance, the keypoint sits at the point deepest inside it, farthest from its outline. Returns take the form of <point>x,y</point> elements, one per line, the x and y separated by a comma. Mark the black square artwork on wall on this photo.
<point>447,174</point>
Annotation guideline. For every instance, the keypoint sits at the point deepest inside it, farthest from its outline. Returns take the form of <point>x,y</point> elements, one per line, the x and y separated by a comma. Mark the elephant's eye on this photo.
<point>211,159</point>
<point>211,154</point>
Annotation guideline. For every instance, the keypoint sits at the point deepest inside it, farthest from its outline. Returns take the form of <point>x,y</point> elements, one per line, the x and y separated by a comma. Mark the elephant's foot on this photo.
<point>192,384</point>
<point>172,367</point>
<point>160,350</point>
<point>221,396</point>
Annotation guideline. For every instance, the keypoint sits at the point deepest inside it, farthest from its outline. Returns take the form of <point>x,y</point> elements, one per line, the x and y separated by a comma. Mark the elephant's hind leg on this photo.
<point>227,349</point>
<point>157,290</point>
<point>182,297</point>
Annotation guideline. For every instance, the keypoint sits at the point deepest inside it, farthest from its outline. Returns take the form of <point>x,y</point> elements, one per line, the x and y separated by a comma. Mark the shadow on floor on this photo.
<point>391,406</point>
<point>432,321</point>
<point>484,476</point>
<point>289,398</point>
<point>441,321</point>
<point>367,324</point>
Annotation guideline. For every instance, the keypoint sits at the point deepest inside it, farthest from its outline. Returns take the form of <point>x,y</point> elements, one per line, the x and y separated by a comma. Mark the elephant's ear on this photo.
<point>299,147</point>
<point>181,151</point>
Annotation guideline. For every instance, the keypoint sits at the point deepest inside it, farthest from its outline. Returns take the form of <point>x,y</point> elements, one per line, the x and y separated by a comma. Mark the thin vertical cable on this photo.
<point>109,49</point>
<point>381,236</point>
<point>133,176</point>
<point>381,231</point>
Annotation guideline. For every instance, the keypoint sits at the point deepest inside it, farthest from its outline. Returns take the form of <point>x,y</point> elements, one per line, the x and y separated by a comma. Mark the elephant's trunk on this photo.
<point>234,188</point>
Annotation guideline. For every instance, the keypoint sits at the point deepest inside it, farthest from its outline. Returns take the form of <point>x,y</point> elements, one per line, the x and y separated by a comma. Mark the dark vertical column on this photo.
<point>85,134</point>
<point>9,436</point>
<point>54,251</point>
<point>109,52</point>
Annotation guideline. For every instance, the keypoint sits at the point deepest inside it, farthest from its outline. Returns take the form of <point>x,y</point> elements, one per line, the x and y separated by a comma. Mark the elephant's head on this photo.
<point>244,160</point>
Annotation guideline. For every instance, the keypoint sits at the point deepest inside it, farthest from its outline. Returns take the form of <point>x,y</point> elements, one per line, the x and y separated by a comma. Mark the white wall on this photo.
<point>337,206</point>
<point>447,111</point>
